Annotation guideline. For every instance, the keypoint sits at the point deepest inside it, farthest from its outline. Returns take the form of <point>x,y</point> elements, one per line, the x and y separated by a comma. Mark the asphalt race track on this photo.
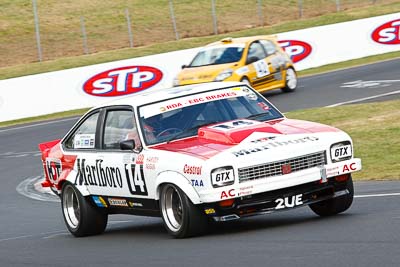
<point>32,231</point>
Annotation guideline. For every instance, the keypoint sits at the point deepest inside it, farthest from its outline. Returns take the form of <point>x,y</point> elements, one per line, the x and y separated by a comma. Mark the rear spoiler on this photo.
<point>45,149</point>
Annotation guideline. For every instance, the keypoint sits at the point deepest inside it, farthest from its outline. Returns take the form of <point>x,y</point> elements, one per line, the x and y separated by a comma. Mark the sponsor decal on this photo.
<point>122,81</point>
<point>140,159</point>
<point>151,163</point>
<point>197,183</point>
<point>193,170</point>
<point>84,141</point>
<point>209,211</point>
<point>388,33</point>
<point>53,169</point>
<point>332,171</point>
<point>286,169</point>
<point>349,167</point>
<point>196,100</point>
<point>119,202</point>
<point>173,104</point>
<point>246,190</point>
<point>263,106</point>
<point>97,175</point>
<point>226,126</point>
<point>227,194</point>
<point>289,202</point>
<point>273,144</point>
<point>135,204</point>
<point>297,50</point>
<point>111,177</point>
<point>222,176</point>
<point>99,201</point>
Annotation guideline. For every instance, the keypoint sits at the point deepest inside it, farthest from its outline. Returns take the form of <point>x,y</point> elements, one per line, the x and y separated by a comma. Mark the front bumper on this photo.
<point>278,200</point>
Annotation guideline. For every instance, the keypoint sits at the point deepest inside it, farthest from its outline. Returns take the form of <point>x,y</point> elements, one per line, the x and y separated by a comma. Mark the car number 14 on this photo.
<point>289,202</point>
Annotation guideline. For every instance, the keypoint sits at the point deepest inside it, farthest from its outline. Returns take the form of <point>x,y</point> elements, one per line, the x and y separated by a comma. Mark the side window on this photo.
<point>84,137</point>
<point>268,46</point>
<point>120,125</point>
<point>256,52</point>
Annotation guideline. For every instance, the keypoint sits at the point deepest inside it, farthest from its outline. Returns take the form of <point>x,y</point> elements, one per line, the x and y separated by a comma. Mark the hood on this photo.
<point>191,75</point>
<point>217,138</point>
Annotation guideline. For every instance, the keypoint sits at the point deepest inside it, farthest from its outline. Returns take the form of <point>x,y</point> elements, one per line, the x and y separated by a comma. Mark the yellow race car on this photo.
<point>258,61</point>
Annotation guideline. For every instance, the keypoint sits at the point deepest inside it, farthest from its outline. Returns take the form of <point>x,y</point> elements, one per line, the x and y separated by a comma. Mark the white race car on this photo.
<point>191,154</point>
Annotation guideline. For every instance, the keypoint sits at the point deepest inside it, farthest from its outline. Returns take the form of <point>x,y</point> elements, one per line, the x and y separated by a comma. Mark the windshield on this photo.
<point>182,117</point>
<point>217,55</point>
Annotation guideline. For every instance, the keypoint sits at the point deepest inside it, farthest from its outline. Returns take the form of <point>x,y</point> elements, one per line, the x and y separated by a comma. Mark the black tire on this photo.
<point>290,81</point>
<point>181,217</point>
<point>335,205</point>
<point>80,216</point>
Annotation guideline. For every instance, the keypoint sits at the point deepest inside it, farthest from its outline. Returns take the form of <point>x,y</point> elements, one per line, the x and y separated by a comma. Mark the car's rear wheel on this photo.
<point>181,217</point>
<point>290,81</point>
<point>335,205</point>
<point>81,218</point>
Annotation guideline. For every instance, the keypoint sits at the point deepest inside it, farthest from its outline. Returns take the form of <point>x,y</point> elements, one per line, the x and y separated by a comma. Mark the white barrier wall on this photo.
<point>91,85</point>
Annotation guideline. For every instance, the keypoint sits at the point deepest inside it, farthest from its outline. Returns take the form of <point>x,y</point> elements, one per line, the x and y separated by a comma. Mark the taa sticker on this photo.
<point>289,202</point>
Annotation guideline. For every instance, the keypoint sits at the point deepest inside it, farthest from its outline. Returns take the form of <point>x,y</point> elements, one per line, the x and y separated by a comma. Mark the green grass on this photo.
<point>375,129</point>
<point>160,46</point>
<point>58,115</point>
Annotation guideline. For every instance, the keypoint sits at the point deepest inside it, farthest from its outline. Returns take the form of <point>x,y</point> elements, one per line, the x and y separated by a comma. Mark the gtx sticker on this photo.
<point>289,202</point>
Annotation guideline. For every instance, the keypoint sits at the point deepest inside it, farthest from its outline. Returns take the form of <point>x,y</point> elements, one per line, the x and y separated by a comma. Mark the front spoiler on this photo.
<point>269,202</point>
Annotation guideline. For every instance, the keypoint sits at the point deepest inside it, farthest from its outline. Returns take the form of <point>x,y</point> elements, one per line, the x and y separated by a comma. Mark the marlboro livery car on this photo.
<point>214,151</point>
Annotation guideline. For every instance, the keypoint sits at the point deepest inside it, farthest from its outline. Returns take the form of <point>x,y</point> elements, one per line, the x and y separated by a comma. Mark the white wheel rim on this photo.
<point>172,210</point>
<point>291,79</point>
<point>71,207</point>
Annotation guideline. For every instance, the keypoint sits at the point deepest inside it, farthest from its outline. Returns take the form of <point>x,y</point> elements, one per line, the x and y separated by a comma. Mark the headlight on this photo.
<point>341,151</point>
<point>222,176</point>
<point>223,75</point>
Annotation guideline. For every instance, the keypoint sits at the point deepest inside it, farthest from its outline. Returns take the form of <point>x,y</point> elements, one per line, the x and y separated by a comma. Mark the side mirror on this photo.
<point>251,60</point>
<point>184,66</point>
<point>127,144</point>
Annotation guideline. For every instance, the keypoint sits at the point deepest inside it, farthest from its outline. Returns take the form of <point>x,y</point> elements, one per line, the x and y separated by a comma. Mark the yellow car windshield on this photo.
<point>217,55</point>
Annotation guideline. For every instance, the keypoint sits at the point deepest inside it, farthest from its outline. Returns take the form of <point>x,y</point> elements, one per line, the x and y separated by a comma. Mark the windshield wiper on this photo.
<point>255,116</point>
<point>189,130</point>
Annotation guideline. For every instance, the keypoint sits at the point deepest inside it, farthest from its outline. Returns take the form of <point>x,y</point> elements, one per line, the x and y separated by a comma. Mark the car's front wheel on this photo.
<point>335,205</point>
<point>81,218</point>
<point>290,81</point>
<point>181,217</point>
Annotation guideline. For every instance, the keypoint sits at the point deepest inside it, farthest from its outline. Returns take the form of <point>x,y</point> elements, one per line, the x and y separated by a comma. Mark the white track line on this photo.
<point>37,124</point>
<point>363,99</point>
<point>378,195</point>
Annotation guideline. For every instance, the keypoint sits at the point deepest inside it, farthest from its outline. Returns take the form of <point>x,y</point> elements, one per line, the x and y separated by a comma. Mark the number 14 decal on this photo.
<point>135,178</point>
